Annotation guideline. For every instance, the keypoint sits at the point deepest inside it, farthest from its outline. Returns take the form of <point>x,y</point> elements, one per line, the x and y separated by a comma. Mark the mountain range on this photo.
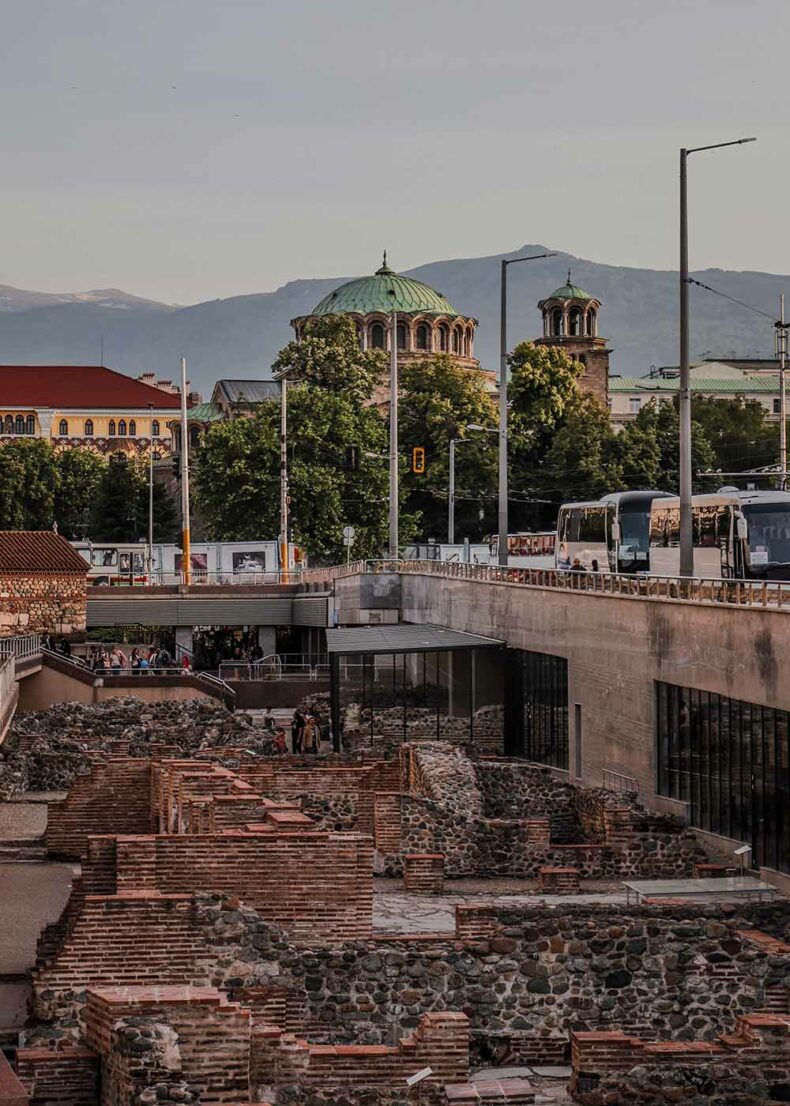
<point>240,336</point>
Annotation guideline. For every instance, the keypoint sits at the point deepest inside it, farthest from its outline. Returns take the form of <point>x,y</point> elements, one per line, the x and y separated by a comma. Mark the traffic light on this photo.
<point>418,460</point>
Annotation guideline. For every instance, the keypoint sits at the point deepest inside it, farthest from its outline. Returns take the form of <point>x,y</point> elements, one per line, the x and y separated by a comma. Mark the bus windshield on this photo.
<point>769,533</point>
<point>634,533</point>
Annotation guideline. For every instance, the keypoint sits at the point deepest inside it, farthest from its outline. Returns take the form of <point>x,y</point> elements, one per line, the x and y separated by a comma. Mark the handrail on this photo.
<point>197,578</point>
<point>772,594</point>
<point>21,645</point>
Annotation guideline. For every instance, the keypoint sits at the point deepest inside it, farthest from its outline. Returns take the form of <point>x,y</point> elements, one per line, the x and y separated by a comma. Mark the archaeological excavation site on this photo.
<point>192,916</point>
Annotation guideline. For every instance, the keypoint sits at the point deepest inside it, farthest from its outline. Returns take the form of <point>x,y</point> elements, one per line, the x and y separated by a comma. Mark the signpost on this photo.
<point>349,536</point>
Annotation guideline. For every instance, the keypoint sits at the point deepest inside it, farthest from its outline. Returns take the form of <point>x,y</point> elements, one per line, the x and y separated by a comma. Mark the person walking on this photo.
<point>310,739</point>
<point>297,731</point>
<point>117,660</point>
<point>134,661</point>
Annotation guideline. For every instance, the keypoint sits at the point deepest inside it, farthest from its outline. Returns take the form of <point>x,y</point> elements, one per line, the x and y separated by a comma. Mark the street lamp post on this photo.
<point>150,491</point>
<point>781,349</point>
<point>502,548</point>
<point>684,392</point>
<point>393,491</point>
<point>451,488</point>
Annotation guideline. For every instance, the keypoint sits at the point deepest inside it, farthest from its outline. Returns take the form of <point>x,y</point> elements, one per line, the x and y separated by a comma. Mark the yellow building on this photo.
<point>86,407</point>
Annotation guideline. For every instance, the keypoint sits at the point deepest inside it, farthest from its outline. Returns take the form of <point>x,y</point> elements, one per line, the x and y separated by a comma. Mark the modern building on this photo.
<point>427,322</point>
<point>570,321</point>
<point>85,406</point>
<point>712,379</point>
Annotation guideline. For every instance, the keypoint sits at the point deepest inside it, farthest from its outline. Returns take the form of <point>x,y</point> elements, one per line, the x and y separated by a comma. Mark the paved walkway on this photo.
<point>395,911</point>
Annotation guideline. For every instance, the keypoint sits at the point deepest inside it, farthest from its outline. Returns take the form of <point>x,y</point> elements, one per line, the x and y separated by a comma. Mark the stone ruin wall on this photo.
<point>42,602</point>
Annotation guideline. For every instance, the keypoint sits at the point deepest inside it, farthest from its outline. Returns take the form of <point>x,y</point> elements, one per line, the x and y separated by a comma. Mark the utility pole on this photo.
<point>393,516</point>
<point>284,553</point>
<point>503,437</point>
<point>684,390</point>
<point>186,560</point>
<point>781,340</point>
<point>451,497</point>
<point>150,491</point>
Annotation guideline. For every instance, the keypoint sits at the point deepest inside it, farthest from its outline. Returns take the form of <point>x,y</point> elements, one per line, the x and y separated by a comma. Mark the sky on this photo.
<point>186,150</point>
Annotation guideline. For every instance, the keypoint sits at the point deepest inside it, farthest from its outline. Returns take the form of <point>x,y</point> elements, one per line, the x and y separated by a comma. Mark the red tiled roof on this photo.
<point>65,386</point>
<point>38,551</point>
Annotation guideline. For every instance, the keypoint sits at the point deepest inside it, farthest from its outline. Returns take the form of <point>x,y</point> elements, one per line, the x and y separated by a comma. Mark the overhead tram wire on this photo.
<point>732,299</point>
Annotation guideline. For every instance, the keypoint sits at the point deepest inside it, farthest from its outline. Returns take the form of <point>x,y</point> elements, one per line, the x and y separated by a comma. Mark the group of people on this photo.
<point>306,731</point>
<point>114,661</point>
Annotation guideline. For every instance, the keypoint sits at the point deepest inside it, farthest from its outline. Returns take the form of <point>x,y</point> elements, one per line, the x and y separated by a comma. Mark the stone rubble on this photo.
<point>46,750</point>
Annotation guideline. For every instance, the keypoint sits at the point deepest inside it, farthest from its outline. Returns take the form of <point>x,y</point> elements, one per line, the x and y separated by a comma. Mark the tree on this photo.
<point>583,461</point>
<point>116,514</point>
<point>337,469</point>
<point>79,475</point>
<point>738,431</point>
<point>166,515</point>
<point>28,482</point>
<point>439,400</point>
<point>661,421</point>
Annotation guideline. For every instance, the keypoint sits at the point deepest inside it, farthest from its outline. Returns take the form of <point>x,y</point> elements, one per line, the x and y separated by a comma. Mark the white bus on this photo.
<point>610,534</point>
<point>718,533</point>
<point>527,549</point>
<point>741,535</point>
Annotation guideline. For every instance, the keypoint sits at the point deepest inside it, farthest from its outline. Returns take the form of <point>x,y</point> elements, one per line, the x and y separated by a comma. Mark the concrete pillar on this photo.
<point>184,638</point>
<point>267,639</point>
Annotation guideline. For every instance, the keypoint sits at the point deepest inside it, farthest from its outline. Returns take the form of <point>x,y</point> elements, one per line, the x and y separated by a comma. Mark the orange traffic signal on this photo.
<point>418,460</point>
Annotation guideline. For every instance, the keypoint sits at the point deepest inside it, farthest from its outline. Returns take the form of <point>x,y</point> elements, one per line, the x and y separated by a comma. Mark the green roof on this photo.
<point>569,291</point>
<point>385,291</point>
<point>733,384</point>
<point>204,412</point>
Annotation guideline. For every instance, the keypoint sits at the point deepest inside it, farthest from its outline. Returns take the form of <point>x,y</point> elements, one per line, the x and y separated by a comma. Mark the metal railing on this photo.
<point>773,594</point>
<point>197,579</point>
<point>283,666</point>
<point>21,646</point>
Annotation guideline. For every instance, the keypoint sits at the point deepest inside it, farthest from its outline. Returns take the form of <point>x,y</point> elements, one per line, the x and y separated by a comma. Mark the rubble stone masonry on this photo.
<point>42,602</point>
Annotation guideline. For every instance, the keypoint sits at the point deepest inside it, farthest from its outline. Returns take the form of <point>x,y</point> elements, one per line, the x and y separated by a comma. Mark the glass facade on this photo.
<point>536,707</point>
<point>728,760</point>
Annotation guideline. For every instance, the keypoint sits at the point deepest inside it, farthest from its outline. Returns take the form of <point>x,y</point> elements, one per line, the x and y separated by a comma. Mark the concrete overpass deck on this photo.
<point>208,605</point>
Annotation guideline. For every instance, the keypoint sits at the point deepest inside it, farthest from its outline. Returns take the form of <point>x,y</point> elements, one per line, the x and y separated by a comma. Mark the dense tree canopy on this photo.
<point>337,455</point>
<point>120,505</point>
<point>439,401</point>
<point>79,473</point>
<point>28,484</point>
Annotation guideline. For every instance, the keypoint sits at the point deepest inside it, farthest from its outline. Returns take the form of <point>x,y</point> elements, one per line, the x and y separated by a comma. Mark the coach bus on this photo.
<point>611,534</point>
<point>737,534</point>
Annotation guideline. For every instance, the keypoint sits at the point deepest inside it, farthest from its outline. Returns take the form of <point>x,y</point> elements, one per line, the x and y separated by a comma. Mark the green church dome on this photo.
<point>569,291</point>
<point>385,291</point>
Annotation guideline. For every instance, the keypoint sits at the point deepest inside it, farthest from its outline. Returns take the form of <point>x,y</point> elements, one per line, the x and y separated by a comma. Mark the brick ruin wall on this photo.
<point>446,806</point>
<point>42,602</point>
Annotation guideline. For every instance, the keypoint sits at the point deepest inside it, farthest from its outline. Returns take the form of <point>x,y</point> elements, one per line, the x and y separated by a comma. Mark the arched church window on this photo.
<point>30,425</point>
<point>456,341</point>
<point>9,424</point>
<point>122,428</point>
<point>111,428</point>
<point>591,323</point>
<point>132,428</point>
<point>63,428</point>
<point>194,436</point>
<point>89,428</point>
<point>575,322</point>
<point>402,344</point>
<point>19,425</point>
<point>360,337</point>
<point>443,338</point>
<point>155,428</point>
<point>423,336</point>
<point>557,323</point>
<point>377,336</point>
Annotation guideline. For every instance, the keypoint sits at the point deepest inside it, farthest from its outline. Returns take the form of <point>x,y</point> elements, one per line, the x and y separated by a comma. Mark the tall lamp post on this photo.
<point>393,492</point>
<point>684,394</point>
<point>781,350</point>
<point>150,491</point>
<point>502,547</point>
<point>451,489</point>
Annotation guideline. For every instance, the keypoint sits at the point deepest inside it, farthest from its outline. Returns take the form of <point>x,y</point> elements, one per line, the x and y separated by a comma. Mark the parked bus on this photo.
<point>610,534</point>
<point>737,534</point>
<point>224,562</point>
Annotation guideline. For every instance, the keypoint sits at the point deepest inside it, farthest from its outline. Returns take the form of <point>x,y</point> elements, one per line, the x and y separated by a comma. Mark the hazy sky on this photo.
<point>192,149</point>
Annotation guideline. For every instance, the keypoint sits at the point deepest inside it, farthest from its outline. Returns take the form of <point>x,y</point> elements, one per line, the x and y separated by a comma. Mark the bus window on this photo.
<point>592,525</point>
<point>125,563</point>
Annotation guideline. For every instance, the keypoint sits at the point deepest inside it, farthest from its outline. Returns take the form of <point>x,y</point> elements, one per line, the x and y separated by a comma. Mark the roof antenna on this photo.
<point>569,276</point>
<point>385,259</point>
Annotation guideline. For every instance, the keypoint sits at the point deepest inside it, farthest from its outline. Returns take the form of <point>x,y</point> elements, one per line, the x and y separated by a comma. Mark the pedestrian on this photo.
<point>134,660</point>
<point>186,665</point>
<point>310,738</point>
<point>143,664</point>
<point>279,740</point>
<point>577,566</point>
<point>297,731</point>
<point>595,565</point>
<point>101,661</point>
<point>117,660</point>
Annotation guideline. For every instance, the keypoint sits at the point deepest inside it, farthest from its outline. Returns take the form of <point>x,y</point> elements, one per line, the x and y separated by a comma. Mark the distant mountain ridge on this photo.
<point>240,336</point>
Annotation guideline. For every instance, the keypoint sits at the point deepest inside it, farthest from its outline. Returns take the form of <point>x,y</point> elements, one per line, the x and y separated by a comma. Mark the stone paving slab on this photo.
<point>399,912</point>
